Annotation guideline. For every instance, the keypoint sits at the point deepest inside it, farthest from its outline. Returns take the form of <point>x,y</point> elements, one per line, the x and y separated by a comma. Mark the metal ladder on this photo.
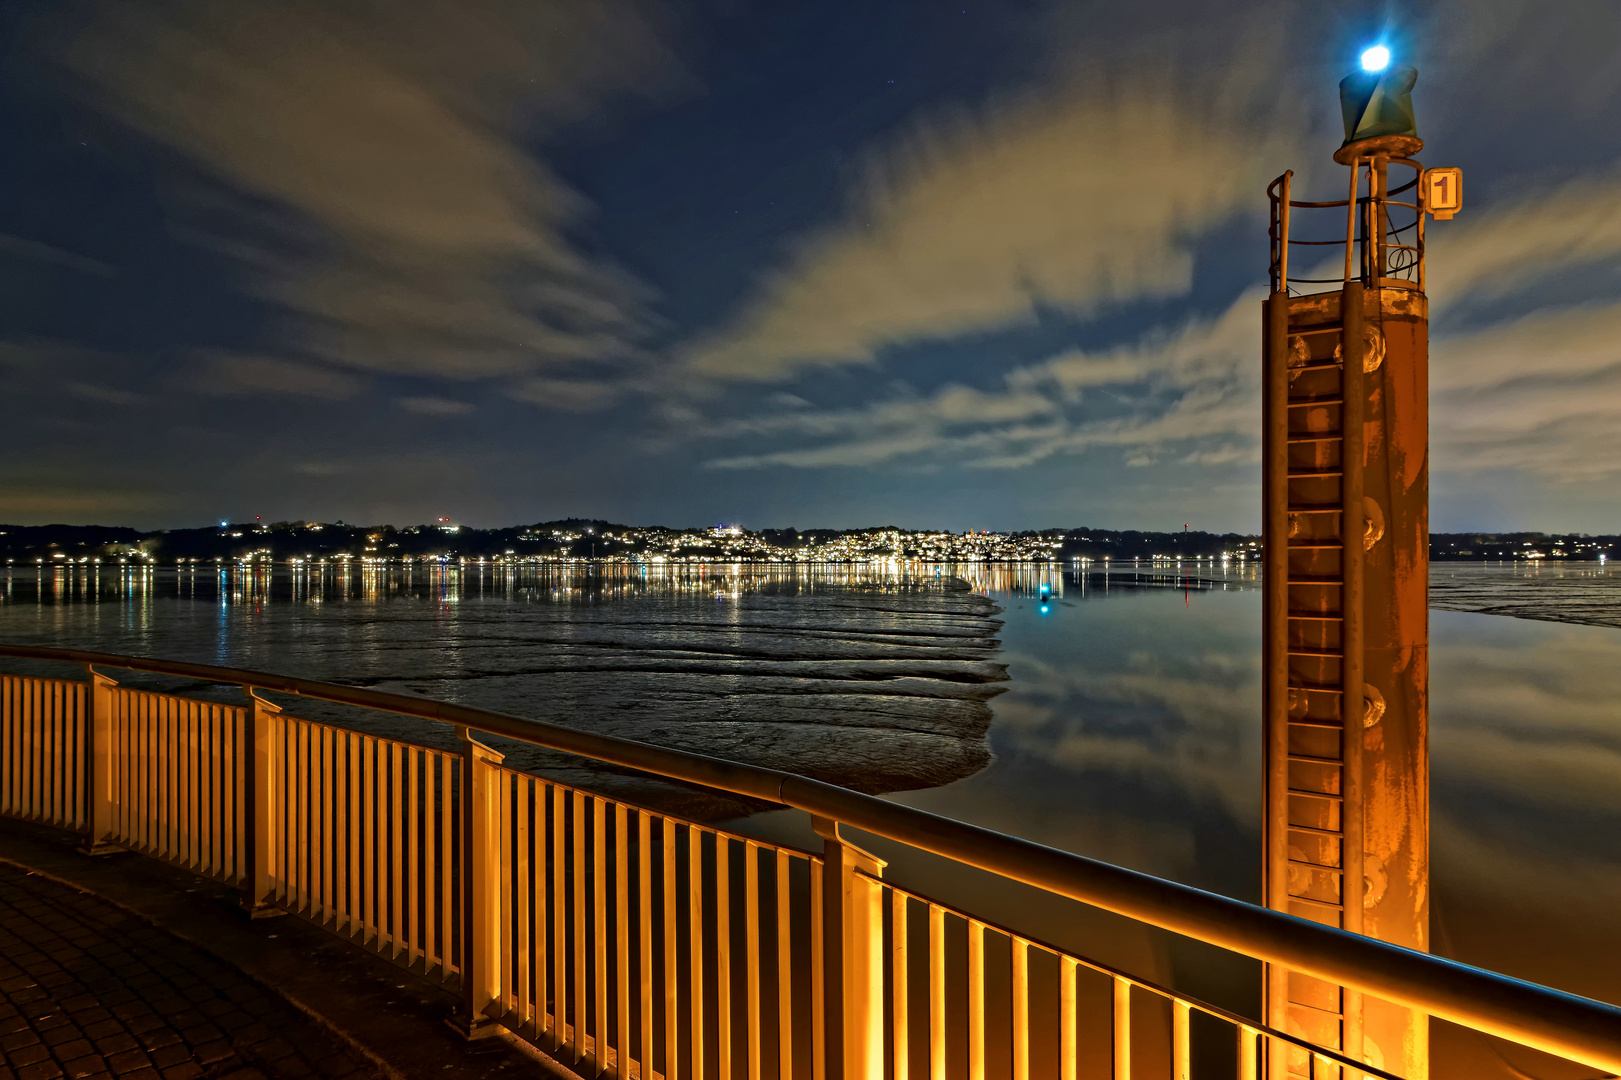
<point>1315,406</point>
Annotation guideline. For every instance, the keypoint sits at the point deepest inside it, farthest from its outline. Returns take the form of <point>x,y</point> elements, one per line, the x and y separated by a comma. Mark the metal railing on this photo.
<point>642,945</point>
<point>1383,244</point>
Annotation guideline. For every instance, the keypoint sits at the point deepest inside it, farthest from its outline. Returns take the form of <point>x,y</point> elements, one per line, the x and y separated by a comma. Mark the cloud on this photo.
<point>110,395</point>
<point>1085,195</point>
<point>1540,395</point>
<point>33,249</point>
<point>899,428</point>
<point>566,395</point>
<point>226,374</point>
<point>382,193</point>
<point>434,406</point>
<point>1198,384</point>
<point>1504,247</point>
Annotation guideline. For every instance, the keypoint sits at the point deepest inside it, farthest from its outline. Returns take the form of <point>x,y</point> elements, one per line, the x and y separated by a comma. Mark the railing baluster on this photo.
<point>522,913</point>
<point>396,870</point>
<point>672,1000</point>
<point>751,955</point>
<point>785,967</point>
<point>168,760</point>
<point>1019,988</point>
<point>329,824</point>
<point>560,991</point>
<point>818,965</point>
<point>368,830</point>
<point>354,897</point>
<point>695,948</point>
<point>430,878</point>
<point>1248,1059</point>
<point>301,732</point>
<point>723,955</point>
<point>1122,1029</point>
<point>1181,1059</point>
<point>581,987</point>
<point>1067,971</point>
<point>644,952</point>
<point>537,917</point>
<point>937,992</point>
<point>447,863</point>
<point>976,1000</point>
<point>599,930</point>
<point>899,1005</point>
<point>505,906</point>
<point>209,758</point>
<point>413,854</point>
<point>621,942</point>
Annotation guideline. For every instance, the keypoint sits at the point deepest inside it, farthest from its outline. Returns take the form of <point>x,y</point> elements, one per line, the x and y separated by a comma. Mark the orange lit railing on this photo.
<point>639,944</point>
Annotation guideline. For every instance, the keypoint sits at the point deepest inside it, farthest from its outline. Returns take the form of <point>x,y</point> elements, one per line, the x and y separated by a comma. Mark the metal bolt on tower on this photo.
<point>1346,535</point>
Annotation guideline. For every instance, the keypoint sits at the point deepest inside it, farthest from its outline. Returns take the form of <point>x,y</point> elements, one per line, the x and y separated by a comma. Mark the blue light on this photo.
<point>1375,59</point>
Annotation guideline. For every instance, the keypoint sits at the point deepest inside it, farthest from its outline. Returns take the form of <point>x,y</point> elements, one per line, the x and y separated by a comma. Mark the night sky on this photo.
<point>825,264</point>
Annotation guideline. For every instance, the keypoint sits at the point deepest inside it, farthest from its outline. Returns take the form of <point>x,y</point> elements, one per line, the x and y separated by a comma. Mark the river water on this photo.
<point>1114,714</point>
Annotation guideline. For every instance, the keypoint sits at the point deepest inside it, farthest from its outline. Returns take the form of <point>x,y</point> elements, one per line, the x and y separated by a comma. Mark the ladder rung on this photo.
<point>1330,907</point>
<point>1320,474</point>
<point>1314,616</point>
<point>1315,794</point>
<point>1333,654</point>
<point>1315,546</point>
<point>1315,579</point>
<point>1310,760</point>
<point>1318,688</point>
<point>1315,438</point>
<point>1315,831</point>
<point>1335,870</point>
<point>1321,725</point>
<point>1316,509</point>
<point>1309,402</point>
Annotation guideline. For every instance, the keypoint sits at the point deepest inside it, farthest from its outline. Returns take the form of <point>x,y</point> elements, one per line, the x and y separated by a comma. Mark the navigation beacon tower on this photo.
<point>1346,534</point>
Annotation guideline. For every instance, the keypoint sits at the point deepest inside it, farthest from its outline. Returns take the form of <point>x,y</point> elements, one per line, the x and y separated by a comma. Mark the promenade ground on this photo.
<point>119,966</point>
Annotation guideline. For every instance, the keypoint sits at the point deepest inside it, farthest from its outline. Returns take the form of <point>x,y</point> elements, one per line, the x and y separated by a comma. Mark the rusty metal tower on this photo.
<point>1346,528</point>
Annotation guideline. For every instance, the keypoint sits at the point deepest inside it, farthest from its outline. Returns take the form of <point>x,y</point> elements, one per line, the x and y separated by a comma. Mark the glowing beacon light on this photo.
<point>1375,59</point>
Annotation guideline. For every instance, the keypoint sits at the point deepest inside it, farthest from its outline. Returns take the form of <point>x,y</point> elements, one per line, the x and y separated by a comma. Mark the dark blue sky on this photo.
<point>780,264</point>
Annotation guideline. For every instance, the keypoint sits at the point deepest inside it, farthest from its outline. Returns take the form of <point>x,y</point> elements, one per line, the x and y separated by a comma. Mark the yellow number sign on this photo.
<point>1443,192</point>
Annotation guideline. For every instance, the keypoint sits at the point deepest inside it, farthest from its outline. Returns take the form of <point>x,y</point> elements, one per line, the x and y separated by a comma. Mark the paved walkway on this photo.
<point>90,990</point>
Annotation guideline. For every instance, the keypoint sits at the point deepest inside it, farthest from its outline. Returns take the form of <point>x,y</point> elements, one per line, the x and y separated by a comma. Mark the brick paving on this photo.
<point>89,990</point>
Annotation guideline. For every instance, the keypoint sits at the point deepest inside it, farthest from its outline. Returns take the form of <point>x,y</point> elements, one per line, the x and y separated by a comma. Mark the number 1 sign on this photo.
<point>1443,192</point>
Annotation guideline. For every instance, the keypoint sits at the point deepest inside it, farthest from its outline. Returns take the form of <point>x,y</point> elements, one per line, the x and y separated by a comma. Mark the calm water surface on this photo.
<point>1129,729</point>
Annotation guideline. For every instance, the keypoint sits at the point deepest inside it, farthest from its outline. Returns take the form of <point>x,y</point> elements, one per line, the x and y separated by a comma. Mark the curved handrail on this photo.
<point>1551,1020</point>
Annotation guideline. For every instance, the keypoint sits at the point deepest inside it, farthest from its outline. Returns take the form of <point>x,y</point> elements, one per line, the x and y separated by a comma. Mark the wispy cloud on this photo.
<point>1539,394</point>
<point>1195,388</point>
<point>46,253</point>
<point>388,202</point>
<point>230,374</point>
<point>434,406</point>
<point>1087,192</point>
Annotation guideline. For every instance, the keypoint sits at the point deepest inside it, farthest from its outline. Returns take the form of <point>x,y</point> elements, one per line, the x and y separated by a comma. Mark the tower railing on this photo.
<point>1383,242</point>
<point>639,944</point>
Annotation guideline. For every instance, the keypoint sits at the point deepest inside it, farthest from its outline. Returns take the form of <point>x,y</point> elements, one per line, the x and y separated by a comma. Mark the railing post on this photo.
<point>479,886</point>
<point>259,804</point>
<point>98,766</point>
<point>852,957</point>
